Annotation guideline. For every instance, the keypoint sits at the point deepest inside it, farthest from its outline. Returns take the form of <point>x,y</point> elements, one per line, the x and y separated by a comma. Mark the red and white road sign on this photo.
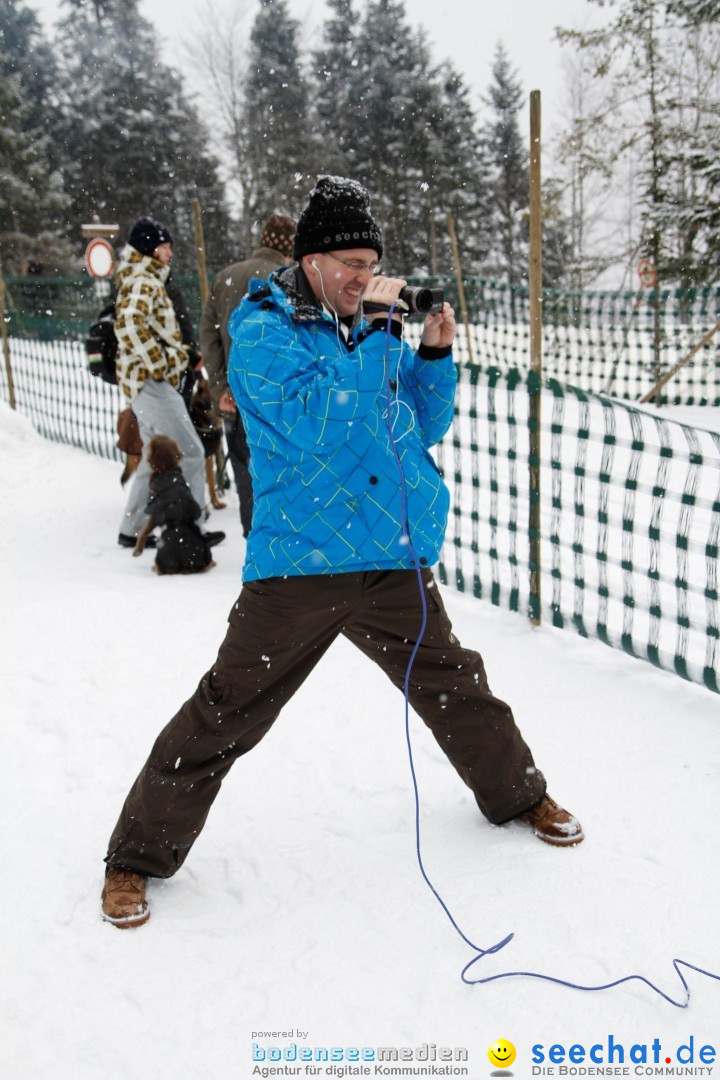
<point>99,258</point>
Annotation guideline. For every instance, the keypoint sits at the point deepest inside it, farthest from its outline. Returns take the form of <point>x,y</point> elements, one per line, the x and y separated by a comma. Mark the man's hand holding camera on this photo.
<point>439,329</point>
<point>381,292</point>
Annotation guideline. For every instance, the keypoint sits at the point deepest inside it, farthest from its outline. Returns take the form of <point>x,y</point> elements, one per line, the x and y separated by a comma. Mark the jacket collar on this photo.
<point>271,254</point>
<point>290,291</point>
<point>302,304</point>
<point>132,262</point>
<point>292,282</point>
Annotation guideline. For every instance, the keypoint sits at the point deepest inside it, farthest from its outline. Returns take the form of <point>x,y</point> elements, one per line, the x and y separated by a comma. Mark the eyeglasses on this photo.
<point>356,265</point>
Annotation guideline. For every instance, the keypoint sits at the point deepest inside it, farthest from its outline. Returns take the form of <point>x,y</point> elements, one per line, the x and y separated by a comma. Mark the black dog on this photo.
<point>182,548</point>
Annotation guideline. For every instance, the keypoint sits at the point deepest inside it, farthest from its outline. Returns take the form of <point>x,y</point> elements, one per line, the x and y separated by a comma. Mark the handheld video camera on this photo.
<point>421,300</point>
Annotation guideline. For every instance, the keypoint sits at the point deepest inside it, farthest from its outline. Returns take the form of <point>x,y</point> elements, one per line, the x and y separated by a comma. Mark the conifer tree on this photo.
<point>509,186</point>
<point>27,54</point>
<point>587,175</point>
<point>32,204</point>
<point>405,129</point>
<point>459,179</point>
<point>694,12</point>
<point>557,248</point>
<point>275,158</point>
<point>394,109</point>
<point>663,62</point>
<point>336,85</point>
<point>690,217</point>
<point>130,142</point>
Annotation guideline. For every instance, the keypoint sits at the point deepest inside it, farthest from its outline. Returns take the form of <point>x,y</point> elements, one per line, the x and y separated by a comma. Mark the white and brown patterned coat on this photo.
<point>149,340</point>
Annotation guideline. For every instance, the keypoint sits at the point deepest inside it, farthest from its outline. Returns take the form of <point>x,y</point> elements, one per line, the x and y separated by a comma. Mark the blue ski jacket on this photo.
<point>318,412</point>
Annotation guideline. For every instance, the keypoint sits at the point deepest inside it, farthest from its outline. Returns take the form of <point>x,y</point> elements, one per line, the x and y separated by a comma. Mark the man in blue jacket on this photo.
<point>350,513</point>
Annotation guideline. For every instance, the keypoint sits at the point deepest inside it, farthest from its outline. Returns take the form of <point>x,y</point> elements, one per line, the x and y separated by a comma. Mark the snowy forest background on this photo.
<point>94,124</point>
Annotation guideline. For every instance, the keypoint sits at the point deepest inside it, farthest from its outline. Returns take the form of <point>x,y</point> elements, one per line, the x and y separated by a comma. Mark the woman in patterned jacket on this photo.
<point>150,359</point>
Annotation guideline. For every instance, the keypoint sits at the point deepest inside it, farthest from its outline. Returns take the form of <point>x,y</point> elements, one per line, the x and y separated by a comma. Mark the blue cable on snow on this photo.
<point>481,953</point>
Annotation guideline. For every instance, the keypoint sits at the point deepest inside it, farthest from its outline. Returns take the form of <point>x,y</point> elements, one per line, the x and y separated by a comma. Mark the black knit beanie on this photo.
<point>336,218</point>
<point>147,234</point>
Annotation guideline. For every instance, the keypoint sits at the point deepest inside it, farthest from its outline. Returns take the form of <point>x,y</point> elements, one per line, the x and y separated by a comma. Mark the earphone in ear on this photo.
<point>315,265</point>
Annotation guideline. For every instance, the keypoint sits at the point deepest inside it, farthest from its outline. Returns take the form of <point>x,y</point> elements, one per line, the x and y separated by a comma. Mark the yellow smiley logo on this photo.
<point>501,1053</point>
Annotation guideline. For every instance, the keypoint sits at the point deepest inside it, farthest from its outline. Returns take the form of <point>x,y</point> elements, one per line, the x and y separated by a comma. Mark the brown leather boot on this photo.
<point>552,824</point>
<point>123,899</point>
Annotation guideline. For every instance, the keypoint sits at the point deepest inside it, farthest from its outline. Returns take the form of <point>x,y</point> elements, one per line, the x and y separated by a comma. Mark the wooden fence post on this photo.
<point>705,340</point>
<point>200,250</point>
<point>461,290</point>
<point>535,378</point>
<point>6,342</point>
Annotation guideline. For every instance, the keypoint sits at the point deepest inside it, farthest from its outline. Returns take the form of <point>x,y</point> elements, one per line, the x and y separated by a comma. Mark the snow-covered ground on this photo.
<point>301,906</point>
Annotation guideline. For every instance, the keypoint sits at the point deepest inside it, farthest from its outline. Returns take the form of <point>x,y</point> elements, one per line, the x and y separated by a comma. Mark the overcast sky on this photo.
<point>465,31</point>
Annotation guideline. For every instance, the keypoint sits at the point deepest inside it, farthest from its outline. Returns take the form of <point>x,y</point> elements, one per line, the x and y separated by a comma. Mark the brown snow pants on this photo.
<point>278,631</point>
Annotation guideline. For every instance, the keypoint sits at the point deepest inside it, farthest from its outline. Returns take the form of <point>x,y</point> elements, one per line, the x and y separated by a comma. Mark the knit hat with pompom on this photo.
<point>277,233</point>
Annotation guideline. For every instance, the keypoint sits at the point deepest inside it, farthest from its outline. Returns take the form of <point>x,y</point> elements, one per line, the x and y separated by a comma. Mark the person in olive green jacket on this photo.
<point>227,290</point>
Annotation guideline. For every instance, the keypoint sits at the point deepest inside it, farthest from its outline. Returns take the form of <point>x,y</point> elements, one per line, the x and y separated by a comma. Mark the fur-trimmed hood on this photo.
<point>133,264</point>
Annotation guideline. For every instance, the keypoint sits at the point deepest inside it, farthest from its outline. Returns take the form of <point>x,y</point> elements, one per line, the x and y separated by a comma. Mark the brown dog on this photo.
<point>163,453</point>
<point>182,549</point>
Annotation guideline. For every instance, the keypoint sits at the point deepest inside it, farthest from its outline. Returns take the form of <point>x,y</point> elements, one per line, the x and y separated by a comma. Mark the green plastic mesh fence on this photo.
<point>615,343</point>
<point>612,343</point>
<point>630,511</point>
<point>61,308</point>
<point>621,344</point>
<point>630,502</point>
<point>54,388</point>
